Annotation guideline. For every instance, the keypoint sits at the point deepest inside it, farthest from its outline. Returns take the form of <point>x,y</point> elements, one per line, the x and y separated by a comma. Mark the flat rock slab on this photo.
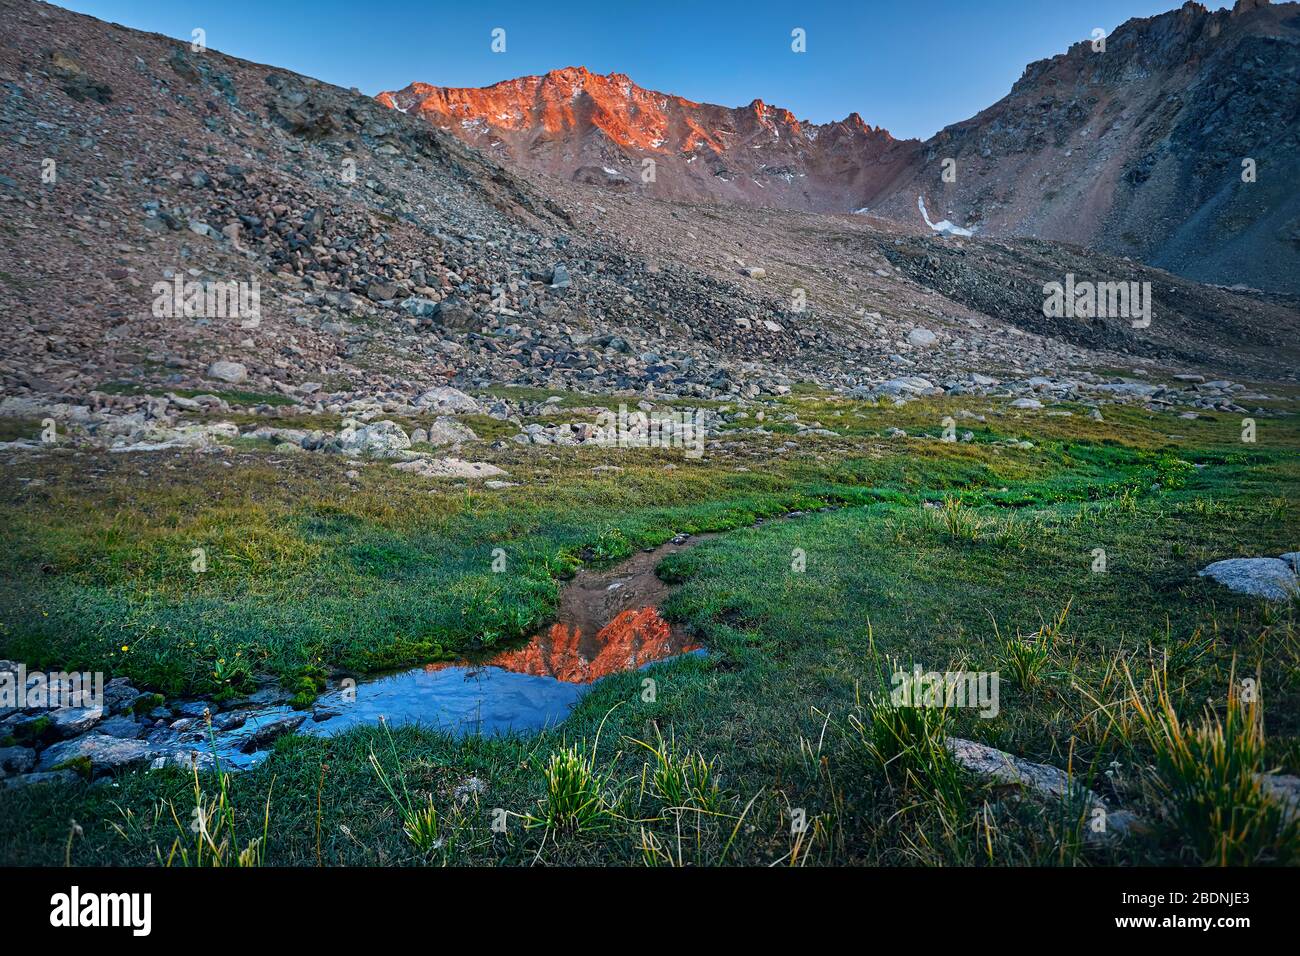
<point>1273,579</point>
<point>49,776</point>
<point>104,752</point>
<point>73,721</point>
<point>1003,767</point>
<point>449,468</point>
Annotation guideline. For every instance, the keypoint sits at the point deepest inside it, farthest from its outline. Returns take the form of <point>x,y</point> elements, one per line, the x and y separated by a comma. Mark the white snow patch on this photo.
<point>943,226</point>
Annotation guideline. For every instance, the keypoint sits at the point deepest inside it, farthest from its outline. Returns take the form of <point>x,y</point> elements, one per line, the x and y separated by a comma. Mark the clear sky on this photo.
<point>911,66</point>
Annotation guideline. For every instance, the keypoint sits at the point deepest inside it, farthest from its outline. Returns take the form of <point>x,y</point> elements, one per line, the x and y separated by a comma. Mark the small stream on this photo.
<point>606,622</point>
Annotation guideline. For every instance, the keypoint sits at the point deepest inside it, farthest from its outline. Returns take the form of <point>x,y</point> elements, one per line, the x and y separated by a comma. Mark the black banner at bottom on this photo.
<point>330,906</point>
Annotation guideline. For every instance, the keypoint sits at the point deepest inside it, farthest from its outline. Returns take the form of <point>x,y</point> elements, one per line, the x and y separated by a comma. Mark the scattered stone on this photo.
<point>119,695</point>
<point>1046,781</point>
<point>1283,789</point>
<point>1003,767</point>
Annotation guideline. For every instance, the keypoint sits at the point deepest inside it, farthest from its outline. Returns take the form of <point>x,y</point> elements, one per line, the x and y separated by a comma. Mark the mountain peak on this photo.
<point>573,123</point>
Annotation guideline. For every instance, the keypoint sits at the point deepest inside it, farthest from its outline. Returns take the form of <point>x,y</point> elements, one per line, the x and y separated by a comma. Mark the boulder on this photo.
<point>911,385</point>
<point>1270,578</point>
<point>127,728</point>
<point>185,759</point>
<point>448,400</point>
<point>225,371</point>
<point>382,291</point>
<point>419,307</point>
<point>455,313</point>
<point>119,695</point>
<point>447,431</point>
<point>382,439</point>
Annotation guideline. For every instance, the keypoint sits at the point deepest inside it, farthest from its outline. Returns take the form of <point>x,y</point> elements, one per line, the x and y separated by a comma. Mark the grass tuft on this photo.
<point>1206,779</point>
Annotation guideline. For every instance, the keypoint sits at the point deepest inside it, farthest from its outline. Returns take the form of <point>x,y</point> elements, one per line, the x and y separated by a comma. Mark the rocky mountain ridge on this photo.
<point>1136,144</point>
<point>606,130</point>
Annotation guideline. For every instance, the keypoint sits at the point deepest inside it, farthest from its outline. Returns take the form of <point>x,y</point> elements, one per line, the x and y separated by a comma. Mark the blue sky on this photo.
<point>911,66</point>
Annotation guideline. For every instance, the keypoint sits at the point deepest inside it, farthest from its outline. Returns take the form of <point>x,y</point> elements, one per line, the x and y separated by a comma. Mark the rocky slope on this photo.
<point>1135,149</point>
<point>1139,149</point>
<point>393,259</point>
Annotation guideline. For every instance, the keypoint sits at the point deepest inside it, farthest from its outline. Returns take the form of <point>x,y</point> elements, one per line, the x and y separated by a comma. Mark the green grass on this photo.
<point>778,722</point>
<point>231,396</point>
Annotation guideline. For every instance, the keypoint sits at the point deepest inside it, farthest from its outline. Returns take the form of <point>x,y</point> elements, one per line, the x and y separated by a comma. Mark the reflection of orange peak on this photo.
<point>630,640</point>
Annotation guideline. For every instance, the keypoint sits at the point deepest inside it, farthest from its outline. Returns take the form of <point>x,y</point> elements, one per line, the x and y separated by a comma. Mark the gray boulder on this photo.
<point>455,313</point>
<point>225,371</point>
<point>448,400</point>
<point>419,307</point>
<point>449,468</point>
<point>382,439</point>
<point>264,732</point>
<point>1270,578</point>
<point>188,760</point>
<point>447,431</point>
